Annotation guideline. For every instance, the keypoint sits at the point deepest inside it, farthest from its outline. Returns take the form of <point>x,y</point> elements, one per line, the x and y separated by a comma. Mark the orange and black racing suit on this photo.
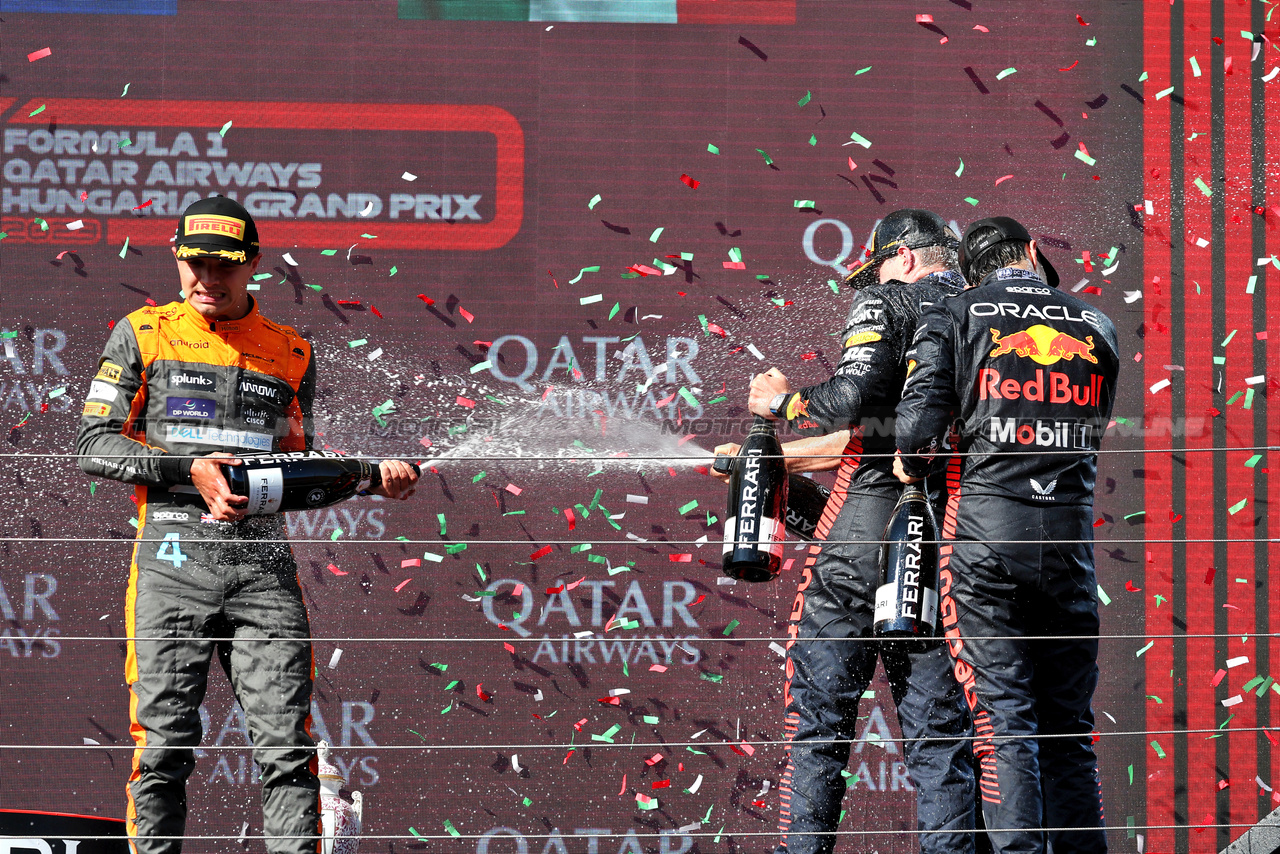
<point>1031,372</point>
<point>171,386</point>
<point>831,652</point>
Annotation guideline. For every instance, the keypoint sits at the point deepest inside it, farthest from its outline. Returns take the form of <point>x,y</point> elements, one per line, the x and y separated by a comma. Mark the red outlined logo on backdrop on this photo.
<point>508,177</point>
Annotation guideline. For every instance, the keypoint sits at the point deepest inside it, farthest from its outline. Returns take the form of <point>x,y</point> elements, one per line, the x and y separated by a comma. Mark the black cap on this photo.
<point>997,231</point>
<point>216,227</point>
<point>909,227</point>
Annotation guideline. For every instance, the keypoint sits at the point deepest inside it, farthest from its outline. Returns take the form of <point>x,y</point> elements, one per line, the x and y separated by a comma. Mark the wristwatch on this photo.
<point>778,403</point>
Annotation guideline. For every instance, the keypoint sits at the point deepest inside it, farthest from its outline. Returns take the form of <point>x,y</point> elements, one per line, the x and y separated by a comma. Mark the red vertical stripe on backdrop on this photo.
<point>1156,353</point>
<point>1267,278</point>
<point>1241,622</point>
<point>736,12</point>
<point>1198,381</point>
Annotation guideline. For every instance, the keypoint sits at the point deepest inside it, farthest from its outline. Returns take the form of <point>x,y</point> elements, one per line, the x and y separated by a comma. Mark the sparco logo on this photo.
<point>193,379</point>
<point>169,516</point>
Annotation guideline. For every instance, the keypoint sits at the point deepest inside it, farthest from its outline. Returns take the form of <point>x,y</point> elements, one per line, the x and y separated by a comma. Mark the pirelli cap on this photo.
<point>985,235</point>
<point>909,227</point>
<point>216,227</point>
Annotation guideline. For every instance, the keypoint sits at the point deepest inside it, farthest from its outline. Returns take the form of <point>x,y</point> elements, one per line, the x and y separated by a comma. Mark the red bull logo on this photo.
<point>1043,344</point>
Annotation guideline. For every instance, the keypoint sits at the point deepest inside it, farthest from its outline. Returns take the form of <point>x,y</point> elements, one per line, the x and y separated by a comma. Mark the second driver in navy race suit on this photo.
<point>1031,374</point>
<point>831,653</point>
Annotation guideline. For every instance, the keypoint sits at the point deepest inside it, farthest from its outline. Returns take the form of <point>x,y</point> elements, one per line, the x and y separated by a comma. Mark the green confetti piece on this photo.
<point>124,249</point>
<point>443,525</point>
<point>721,399</point>
<point>528,802</point>
<point>1253,461</point>
<point>134,521</point>
<point>38,111</point>
<point>1234,398</point>
<point>1266,683</point>
<point>1203,187</point>
<point>628,625</point>
<point>93,487</point>
<point>1246,35</point>
<point>702,321</point>
<point>1133,515</point>
<point>650,719</point>
<point>960,171</point>
<point>455,683</point>
<point>411,830</point>
<point>1252,683</point>
<point>595,200</point>
<point>607,735</point>
<point>1080,155</point>
<point>728,630</point>
<point>1219,360</point>
<point>260,276</point>
<point>651,804</point>
<point>315,287</point>
<point>807,97</point>
<point>579,548</point>
<point>1163,92</point>
<point>711,677</point>
<point>328,251</point>
<point>735,254</point>
<point>692,505</point>
<point>688,398</point>
<point>1140,652</point>
<point>860,139</point>
<point>337,532</point>
<point>1102,596</point>
<point>456,548</point>
<point>1238,506</point>
<point>394,270</point>
<point>713,148</point>
<point>971,200</point>
<point>1155,745</point>
<point>768,161</point>
<point>834,285</point>
<point>657,232</point>
<point>359,342</point>
<point>44,226</point>
<point>1195,66</point>
<point>482,366</point>
<point>1091,42</point>
<point>1157,699</point>
<point>1248,399</point>
<point>1142,77</point>
<point>453,831</point>
<point>369,236</point>
<point>813,139</point>
<point>515,513</point>
<point>438,666</point>
<point>1003,74</point>
<point>479,477</point>
<point>577,278</point>
<point>804,204</point>
<point>224,130</point>
<point>126,89</point>
<point>686,256</point>
<point>862,71</point>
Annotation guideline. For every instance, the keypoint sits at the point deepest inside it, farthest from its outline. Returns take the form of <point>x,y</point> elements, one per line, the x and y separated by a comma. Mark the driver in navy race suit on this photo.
<point>831,651</point>
<point>1030,372</point>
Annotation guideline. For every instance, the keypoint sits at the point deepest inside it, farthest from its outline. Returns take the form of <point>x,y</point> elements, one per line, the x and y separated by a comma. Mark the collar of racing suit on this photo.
<point>1006,273</point>
<point>224,327</point>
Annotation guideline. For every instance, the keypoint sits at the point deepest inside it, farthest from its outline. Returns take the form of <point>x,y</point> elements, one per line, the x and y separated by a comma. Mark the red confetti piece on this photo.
<point>480,692</point>
<point>413,561</point>
<point>1092,289</point>
<point>1223,784</point>
<point>610,701</point>
<point>714,328</point>
<point>1082,21</point>
<point>145,204</point>
<point>580,724</point>
<point>1208,576</point>
<point>657,668</point>
<point>734,265</point>
<point>542,552</point>
<point>924,19</point>
<point>513,489</point>
<point>1088,265</point>
<point>509,648</point>
<point>852,165</point>
<point>335,570</point>
<point>566,758</point>
<point>425,442</point>
<point>1071,66</point>
<point>467,402</point>
<point>981,28</point>
<point>808,357</point>
<point>660,784</point>
<point>519,591</point>
<point>468,315</point>
<point>1098,523</point>
<point>1001,180</point>
<point>699,600</point>
<point>1174,517</point>
<point>623,790</point>
<point>39,54</point>
<point>1218,677</point>
<point>666,400</point>
<point>348,302</point>
<point>374,309</point>
<point>428,300</point>
<point>150,301</point>
<point>684,558</point>
<point>551,591</point>
<point>1128,585</point>
<point>1271,738</point>
<point>401,585</point>
<point>568,514</point>
<point>692,183</point>
<point>654,759</point>
<point>743,749</point>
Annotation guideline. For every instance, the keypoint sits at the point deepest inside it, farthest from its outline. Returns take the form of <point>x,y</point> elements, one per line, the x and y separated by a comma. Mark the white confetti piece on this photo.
<point>75,226</point>
<point>375,354</point>
<point>1163,384</point>
<point>1233,701</point>
<point>693,790</point>
<point>751,348</point>
<point>1237,661</point>
<point>288,259</point>
<point>778,648</point>
<point>637,499</point>
<point>335,658</point>
<point>1247,380</point>
<point>1132,296</point>
<point>591,299</point>
<point>409,176</point>
<point>1079,286</point>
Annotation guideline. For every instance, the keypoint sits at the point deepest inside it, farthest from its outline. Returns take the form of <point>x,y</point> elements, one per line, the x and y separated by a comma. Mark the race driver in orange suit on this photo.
<point>179,389</point>
<point>831,652</point>
<point>1031,374</point>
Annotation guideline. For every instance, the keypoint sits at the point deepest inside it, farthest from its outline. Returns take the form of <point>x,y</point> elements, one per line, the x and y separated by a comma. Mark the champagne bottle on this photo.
<point>299,480</point>
<point>907,598</point>
<point>754,530</point>
<point>806,499</point>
